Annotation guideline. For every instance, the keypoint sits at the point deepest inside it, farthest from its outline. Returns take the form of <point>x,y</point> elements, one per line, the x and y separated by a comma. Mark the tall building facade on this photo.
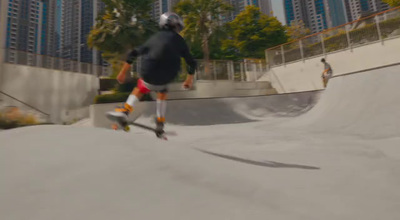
<point>89,11</point>
<point>56,28</point>
<point>240,5</point>
<point>25,29</point>
<point>71,29</point>
<point>318,15</point>
<point>312,12</point>
<point>378,6</point>
<point>162,6</point>
<point>337,14</point>
<point>77,19</point>
<point>51,27</point>
<point>357,8</point>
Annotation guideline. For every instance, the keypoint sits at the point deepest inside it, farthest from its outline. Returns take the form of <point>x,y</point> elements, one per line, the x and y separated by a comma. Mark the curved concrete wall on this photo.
<point>365,104</point>
<point>306,75</point>
<point>66,95</point>
<point>215,111</point>
<point>63,95</point>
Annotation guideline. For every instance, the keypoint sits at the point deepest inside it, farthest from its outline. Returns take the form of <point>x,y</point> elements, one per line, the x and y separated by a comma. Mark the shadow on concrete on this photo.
<point>269,164</point>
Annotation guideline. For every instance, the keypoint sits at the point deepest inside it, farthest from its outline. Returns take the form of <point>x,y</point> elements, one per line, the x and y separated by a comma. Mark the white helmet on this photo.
<point>171,21</point>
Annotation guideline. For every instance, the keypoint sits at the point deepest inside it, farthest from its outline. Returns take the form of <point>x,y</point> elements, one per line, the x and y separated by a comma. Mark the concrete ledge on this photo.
<point>60,94</point>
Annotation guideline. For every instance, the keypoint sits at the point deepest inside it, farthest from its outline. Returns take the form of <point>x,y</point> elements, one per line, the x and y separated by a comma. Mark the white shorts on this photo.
<point>145,87</point>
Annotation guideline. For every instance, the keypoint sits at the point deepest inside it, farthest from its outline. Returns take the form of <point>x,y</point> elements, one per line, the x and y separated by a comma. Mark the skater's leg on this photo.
<point>324,81</point>
<point>133,99</point>
<point>161,106</point>
<point>161,110</point>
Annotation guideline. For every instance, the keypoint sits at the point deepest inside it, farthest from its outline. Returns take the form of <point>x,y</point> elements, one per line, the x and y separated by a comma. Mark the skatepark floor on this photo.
<point>318,155</point>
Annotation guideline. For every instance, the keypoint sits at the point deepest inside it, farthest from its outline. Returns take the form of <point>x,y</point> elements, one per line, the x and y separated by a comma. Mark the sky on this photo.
<point>277,7</point>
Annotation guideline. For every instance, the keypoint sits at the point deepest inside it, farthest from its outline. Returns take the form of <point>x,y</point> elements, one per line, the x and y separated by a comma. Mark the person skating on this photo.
<point>327,74</point>
<point>160,64</point>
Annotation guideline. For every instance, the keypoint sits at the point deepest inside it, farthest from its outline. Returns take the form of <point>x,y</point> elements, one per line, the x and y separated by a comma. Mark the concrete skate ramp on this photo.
<point>313,166</point>
<point>365,104</point>
<point>235,110</point>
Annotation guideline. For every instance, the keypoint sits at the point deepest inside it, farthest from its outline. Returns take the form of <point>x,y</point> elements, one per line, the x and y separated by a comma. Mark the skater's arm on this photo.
<point>135,53</point>
<point>327,68</point>
<point>192,64</point>
<point>127,65</point>
<point>191,68</point>
<point>122,74</point>
<point>188,83</point>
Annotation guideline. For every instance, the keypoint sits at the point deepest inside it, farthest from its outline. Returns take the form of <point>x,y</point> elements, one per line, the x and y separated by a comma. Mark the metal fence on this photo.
<point>48,62</point>
<point>240,71</point>
<point>377,27</point>
<point>246,70</point>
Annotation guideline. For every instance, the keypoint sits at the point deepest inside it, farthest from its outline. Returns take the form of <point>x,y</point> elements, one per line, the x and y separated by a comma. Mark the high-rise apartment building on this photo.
<point>357,8</point>
<point>51,27</point>
<point>240,5</point>
<point>336,12</point>
<point>77,19</point>
<point>24,27</point>
<point>71,29</point>
<point>56,28</point>
<point>90,10</point>
<point>162,6</point>
<point>378,6</point>
<point>312,12</point>
<point>354,9</point>
<point>318,15</point>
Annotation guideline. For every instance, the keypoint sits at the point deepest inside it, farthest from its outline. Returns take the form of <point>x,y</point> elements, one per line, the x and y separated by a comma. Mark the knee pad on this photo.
<point>142,87</point>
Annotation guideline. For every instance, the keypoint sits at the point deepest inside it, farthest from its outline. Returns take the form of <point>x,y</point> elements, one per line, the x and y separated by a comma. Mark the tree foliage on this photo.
<point>202,19</point>
<point>392,3</point>
<point>251,32</point>
<point>297,29</point>
<point>123,25</point>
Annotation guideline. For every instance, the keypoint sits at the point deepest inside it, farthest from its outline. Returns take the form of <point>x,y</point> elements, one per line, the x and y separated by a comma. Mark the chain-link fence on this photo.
<point>47,62</point>
<point>246,70</point>
<point>367,30</point>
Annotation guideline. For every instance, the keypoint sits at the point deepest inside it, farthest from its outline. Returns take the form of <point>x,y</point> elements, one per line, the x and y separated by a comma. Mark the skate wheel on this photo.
<point>114,127</point>
<point>127,128</point>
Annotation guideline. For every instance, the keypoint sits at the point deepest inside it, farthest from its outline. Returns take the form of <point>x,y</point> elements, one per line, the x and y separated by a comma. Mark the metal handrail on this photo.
<point>26,104</point>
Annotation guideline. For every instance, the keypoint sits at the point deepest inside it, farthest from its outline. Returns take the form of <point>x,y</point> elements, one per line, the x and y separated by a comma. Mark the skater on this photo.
<point>327,74</point>
<point>161,61</point>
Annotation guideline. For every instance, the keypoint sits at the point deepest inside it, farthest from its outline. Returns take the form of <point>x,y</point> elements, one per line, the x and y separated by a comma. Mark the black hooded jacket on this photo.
<point>161,57</point>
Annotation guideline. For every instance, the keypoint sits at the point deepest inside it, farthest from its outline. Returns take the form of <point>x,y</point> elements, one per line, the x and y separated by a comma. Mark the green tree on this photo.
<point>123,25</point>
<point>392,3</point>
<point>202,18</point>
<point>297,29</point>
<point>252,32</point>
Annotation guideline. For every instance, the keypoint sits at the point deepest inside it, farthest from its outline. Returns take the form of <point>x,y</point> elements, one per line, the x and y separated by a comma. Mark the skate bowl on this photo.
<point>364,104</point>
<point>338,160</point>
<point>213,111</point>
